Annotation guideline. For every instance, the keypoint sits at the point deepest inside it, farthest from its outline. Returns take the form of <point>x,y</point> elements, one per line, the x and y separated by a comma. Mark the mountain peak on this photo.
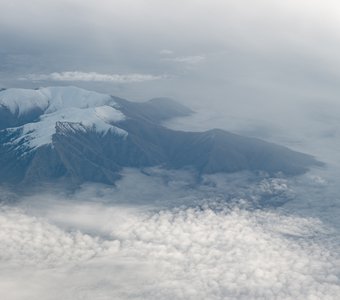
<point>91,110</point>
<point>67,132</point>
<point>49,99</point>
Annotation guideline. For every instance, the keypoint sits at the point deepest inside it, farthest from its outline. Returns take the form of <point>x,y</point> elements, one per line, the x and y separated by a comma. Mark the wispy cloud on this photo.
<point>166,52</point>
<point>92,76</point>
<point>192,60</point>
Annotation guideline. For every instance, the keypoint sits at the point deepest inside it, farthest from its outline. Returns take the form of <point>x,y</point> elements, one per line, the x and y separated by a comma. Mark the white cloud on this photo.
<point>114,243</point>
<point>93,76</point>
<point>187,59</point>
<point>166,52</point>
<point>187,253</point>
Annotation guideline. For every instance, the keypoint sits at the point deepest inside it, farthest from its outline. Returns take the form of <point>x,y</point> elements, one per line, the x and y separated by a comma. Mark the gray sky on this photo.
<point>193,50</point>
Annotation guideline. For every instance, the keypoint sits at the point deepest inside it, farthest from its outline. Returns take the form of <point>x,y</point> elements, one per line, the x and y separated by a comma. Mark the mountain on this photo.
<point>75,135</point>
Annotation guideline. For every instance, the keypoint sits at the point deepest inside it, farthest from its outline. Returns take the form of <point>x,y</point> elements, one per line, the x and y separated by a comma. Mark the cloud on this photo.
<point>187,59</point>
<point>166,52</point>
<point>31,241</point>
<point>153,237</point>
<point>93,77</point>
<point>179,253</point>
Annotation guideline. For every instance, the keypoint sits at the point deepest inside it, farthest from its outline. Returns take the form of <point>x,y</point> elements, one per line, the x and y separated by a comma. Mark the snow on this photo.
<point>40,133</point>
<point>108,114</point>
<point>64,97</point>
<point>77,109</point>
<point>22,101</point>
<point>51,99</point>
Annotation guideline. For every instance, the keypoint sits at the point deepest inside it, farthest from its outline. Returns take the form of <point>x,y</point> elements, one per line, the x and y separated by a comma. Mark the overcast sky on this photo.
<point>193,50</point>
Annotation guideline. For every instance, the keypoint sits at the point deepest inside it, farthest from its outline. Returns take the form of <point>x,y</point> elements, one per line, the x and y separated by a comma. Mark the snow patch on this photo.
<point>41,133</point>
<point>20,101</point>
<point>51,99</point>
<point>108,114</point>
<point>67,97</point>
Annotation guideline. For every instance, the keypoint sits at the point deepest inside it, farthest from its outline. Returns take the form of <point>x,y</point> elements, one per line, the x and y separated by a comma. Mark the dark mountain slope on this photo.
<point>78,152</point>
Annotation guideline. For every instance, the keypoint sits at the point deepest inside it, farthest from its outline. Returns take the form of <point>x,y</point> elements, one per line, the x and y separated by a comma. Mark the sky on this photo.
<point>193,50</point>
<point>262,68</point>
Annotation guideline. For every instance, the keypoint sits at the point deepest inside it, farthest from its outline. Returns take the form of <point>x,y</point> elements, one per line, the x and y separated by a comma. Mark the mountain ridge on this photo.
<point>85,136</point>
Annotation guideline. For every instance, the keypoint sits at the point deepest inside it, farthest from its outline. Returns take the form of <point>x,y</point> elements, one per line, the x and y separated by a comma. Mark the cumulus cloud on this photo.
<point>156,236</point>
<point>26,240</point>
<point>93,76</point>
<point>180,253</point>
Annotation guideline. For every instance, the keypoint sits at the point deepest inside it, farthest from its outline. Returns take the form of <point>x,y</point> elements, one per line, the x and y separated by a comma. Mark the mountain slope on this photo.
<point>66,133</point>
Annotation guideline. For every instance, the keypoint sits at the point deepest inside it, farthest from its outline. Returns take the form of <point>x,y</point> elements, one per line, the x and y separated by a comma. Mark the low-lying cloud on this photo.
<point>93,76</point>
<point>195,59</point>
<point>188,253</point>
<point>156,236</point>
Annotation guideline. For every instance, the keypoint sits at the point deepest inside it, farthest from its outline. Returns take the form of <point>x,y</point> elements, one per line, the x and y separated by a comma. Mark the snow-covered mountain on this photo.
<point>68,133</point>
<point>53,105</point>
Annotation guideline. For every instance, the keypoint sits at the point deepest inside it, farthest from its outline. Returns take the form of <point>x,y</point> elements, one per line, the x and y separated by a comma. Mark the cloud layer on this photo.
<point>153,237</point>
<point>187,59</point>
<point>92,76</point>
<point>187,253</point>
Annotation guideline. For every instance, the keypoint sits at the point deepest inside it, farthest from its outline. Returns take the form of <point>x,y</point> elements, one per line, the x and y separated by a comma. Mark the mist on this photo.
<point>219,52</point>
